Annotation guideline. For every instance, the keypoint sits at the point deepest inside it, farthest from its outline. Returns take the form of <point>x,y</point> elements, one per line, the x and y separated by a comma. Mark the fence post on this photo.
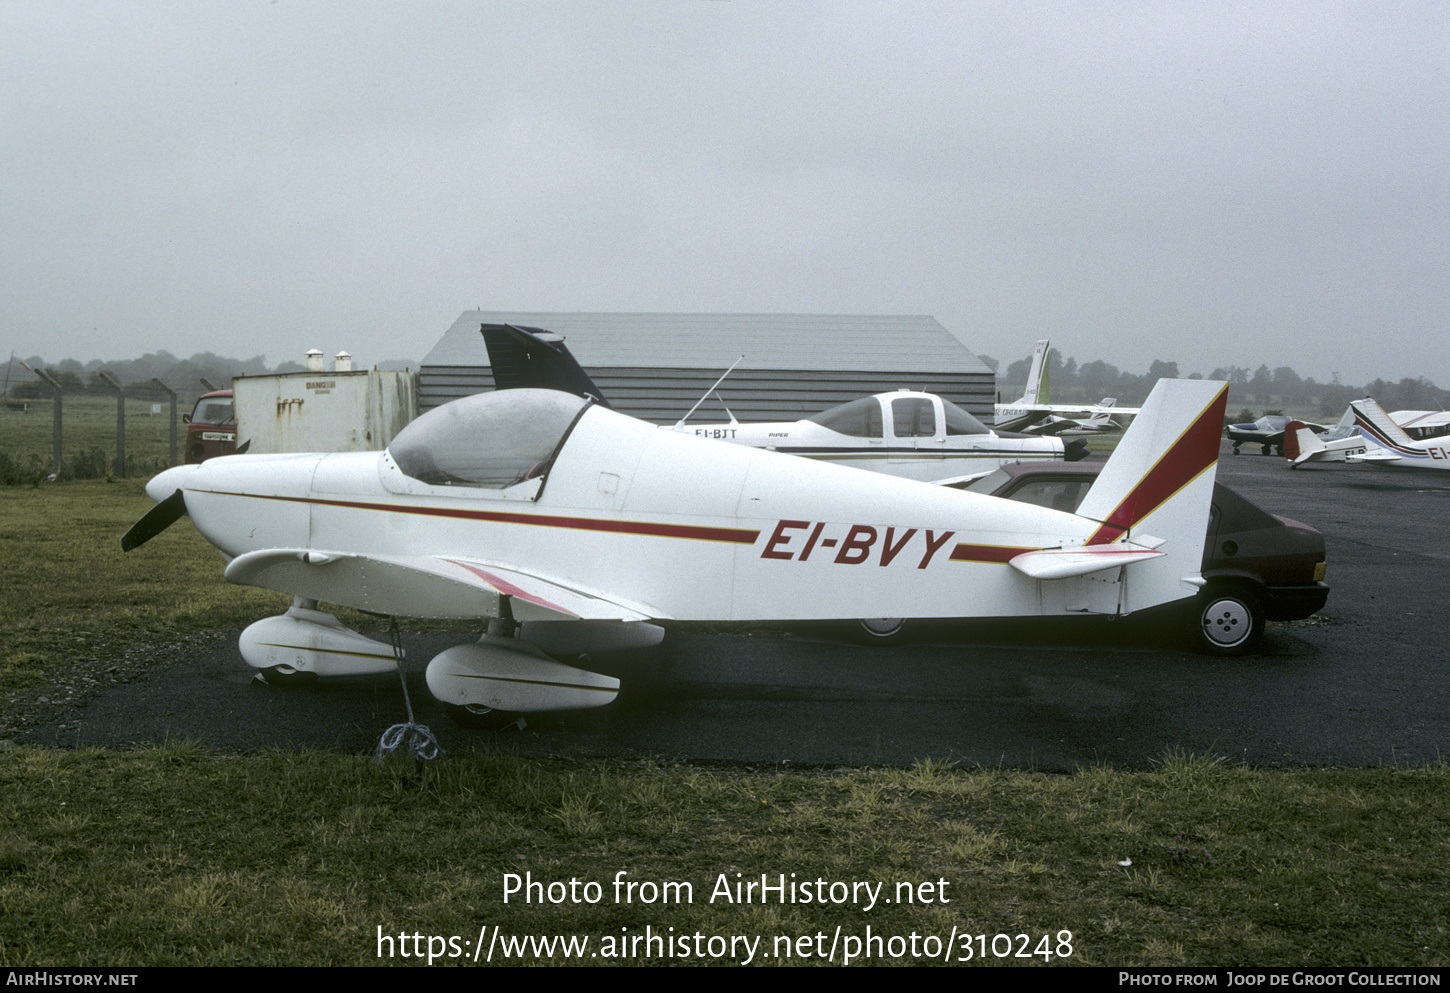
<point>120,424</point>
<point>55,412</point>
<point>171,393</point>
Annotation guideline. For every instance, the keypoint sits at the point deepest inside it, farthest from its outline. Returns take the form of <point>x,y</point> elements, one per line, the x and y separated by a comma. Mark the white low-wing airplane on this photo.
<point>1032,413</point>
<point>1303,444</point>
<point>568,527</point>
<point>914,435</point>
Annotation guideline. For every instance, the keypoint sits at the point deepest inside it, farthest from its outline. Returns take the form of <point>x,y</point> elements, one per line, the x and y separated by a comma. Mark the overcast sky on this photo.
<point>1211,183</point>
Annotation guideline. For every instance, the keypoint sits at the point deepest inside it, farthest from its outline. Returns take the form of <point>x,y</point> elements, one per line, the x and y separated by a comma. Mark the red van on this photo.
<point>211,428</point>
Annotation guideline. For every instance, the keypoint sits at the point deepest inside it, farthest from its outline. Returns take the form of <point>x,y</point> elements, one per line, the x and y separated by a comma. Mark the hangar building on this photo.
<point>656,366</point>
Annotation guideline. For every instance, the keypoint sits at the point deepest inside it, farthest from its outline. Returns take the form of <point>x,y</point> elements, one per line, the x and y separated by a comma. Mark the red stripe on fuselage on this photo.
<point>987,553</point>
<point>1186,459</point>
<point>739,536</point>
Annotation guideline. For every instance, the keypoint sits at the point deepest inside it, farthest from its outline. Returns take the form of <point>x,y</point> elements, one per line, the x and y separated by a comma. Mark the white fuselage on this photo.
<point>630,522</point>
<point>669,526</point>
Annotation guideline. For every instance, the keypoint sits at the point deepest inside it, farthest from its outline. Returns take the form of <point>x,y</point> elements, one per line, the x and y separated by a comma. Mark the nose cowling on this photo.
<point>166,483</point>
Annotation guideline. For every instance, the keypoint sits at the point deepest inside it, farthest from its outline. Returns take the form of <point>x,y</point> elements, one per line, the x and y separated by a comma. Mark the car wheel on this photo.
<point>1229,620</point>
<point>881,630</point>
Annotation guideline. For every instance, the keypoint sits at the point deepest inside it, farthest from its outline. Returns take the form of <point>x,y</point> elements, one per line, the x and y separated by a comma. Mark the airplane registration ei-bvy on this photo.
<point>569,528</point>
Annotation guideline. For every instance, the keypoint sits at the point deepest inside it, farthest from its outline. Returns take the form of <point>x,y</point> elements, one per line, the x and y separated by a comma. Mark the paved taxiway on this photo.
<point>1366,684</point>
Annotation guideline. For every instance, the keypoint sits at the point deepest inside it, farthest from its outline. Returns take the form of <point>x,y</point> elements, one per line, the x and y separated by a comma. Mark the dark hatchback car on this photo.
<point>1257,566</point>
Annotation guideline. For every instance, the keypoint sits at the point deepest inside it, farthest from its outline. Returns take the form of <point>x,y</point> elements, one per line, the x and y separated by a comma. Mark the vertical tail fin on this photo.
<point>1023,413</point>
<point>1037,385</point>
<point>1377,426</point>
<point>1300,443</point>
<point>1159,483</point>
<point>533,358</point>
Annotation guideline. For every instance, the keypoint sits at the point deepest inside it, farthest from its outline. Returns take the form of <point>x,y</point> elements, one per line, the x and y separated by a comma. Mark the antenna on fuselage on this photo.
<point>681,422</point>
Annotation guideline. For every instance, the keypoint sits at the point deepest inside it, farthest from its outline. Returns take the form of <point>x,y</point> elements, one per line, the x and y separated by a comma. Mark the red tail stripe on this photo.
<point>1194,451</point>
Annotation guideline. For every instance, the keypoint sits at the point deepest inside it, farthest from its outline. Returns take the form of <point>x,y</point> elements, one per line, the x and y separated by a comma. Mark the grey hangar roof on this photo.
<point>656,366</point>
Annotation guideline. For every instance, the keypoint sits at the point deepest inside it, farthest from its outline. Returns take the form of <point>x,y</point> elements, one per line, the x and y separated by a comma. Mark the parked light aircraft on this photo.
<point>1303,444</point>
<point>1345,440</point>
<point>915,435</point>
<point>1422,424</point>
<point>1267,431</point>
<point>1391,446</point>
<point>1033,414</point>
<point>569,527</point>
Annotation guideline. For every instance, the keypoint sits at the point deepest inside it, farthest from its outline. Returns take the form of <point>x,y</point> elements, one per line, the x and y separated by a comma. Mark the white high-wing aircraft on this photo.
<point>1391,446</point>
<point>1031,413</point>
<point>1422,424</point>
<point>568,527</point>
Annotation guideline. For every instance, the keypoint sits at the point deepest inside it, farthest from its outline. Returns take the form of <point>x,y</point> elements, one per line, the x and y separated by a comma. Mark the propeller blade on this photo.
<point>155,520</point>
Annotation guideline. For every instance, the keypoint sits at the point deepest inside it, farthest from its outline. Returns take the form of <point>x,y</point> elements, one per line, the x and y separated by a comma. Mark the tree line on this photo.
<point>136,375</point>
<point>1070,382</point>
<point>1262,388</point>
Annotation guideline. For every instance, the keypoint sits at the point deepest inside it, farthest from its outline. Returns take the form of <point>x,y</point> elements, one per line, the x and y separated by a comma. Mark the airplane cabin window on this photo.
<point>959,421</point>
<point>490,440</point>
<point>913,417</point>
<point>858,418</point>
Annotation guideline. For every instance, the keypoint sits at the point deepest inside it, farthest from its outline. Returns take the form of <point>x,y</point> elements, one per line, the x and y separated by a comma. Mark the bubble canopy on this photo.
<point>490,440</point>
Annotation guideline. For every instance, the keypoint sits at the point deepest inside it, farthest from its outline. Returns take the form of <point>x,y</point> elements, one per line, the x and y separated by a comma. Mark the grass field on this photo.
<point>184,856</point>
<point>88,438</point>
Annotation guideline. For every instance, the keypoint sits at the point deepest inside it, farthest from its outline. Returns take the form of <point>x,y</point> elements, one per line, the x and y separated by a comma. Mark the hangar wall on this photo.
<point>656,366</point>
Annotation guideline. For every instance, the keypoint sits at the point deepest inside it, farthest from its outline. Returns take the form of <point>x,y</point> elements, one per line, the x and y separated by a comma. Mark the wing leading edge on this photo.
<point>423,586</point>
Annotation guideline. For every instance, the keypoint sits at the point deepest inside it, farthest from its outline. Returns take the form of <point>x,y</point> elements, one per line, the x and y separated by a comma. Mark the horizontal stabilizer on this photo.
<point>963,481</point>
<point>1065,563</point>
<point>1300,443</point>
